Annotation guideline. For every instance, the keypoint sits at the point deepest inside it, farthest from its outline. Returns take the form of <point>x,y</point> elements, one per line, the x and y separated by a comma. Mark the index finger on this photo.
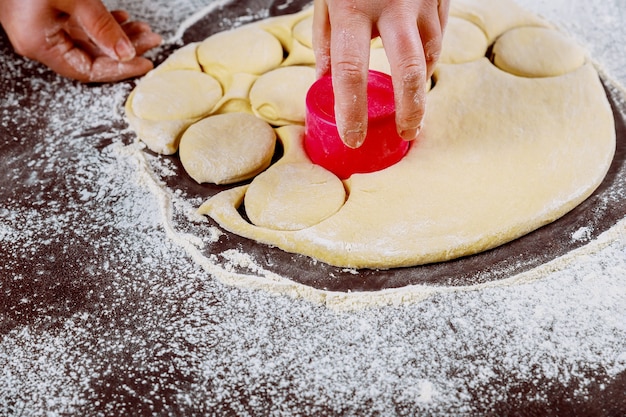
<point>349,53</point>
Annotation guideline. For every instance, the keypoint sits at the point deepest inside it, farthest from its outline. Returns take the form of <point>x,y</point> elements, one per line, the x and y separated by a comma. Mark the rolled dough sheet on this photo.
<point>500,155</point>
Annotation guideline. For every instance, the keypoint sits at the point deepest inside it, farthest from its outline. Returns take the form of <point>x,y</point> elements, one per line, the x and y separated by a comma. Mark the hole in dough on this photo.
<point>227,148</point>
<point>537,52</point>
<point>293,196</point>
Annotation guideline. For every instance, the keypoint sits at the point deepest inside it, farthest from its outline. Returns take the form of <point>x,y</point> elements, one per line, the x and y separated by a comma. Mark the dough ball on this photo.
<point>227,148</point>
<point>175,95</point>
<point>279,96</point>
<point>463,41</point>
<point>537,52</point>
<point>249,49</point>
<point>293,196</point>
<point>303,32</point>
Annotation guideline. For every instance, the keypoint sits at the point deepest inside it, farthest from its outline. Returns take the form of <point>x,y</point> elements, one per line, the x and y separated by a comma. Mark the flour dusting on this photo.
<point>109,307</point>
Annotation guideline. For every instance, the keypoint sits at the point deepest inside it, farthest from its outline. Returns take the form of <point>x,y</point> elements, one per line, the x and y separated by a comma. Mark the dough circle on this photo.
<point>537,52</point>
<point>277,96</point>
<point>227,148</point>
<point>173,95</point>
<point>250,49</point>
<point>293,196</point>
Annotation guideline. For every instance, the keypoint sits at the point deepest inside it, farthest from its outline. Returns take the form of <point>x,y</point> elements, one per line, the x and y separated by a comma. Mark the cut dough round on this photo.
<point>278,96</point>
<point>293,196</point>
<point>463,41</point>
<point>250,49</point>
<point>227,148</point>
<point>537,52</point>
<point>175,95</point>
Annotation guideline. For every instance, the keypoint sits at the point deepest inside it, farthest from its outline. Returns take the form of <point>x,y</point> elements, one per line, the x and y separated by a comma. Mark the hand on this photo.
<point>411,31</point>
<point>79,39</point>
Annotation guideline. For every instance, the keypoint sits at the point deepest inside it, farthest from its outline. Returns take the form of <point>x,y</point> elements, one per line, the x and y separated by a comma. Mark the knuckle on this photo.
<point>432,51</point>
<point>350,67</point>
<point>350,71</point>
<point>413,75</point>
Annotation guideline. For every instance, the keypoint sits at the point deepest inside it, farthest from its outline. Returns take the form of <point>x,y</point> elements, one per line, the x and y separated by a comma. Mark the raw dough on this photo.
<point>537,52</point>
<point>506,148</point>
<point>293,196</point>
<point>250,49</point>
<point>277,96</point>
<point>165,103</point>
<point>227,148</point>
<point>463,42</point>
<point>172,95</point>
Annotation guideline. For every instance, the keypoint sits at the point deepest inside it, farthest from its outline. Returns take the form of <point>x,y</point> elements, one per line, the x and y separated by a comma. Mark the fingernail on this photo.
<point>354,138</point>
<point>409,134</point>
<point>412,132</point>
<point>124,50</point>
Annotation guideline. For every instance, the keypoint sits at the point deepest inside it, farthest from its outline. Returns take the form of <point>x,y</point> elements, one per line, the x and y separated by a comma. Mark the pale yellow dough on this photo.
<point>179,94</point>
<point>277,96</point>
<point>250,49</point>
<point>507,147</point>
<point>293,196</point>
<point>166,102</point>
<point>537,52</point>
<point>227,148</point>
<point>463,42</point>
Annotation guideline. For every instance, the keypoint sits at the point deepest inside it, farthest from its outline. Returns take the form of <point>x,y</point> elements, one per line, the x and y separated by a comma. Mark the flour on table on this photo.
<point>139,328</point>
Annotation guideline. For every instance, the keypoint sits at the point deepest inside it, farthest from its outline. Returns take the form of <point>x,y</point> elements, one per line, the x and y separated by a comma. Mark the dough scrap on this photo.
<point>227,148</point>
<point>494,17</point>
<point>293,196</point>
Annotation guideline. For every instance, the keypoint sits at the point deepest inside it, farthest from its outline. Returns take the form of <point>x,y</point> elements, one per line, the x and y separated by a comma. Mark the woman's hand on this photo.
<point>411,31</point>
<point>79,39</point>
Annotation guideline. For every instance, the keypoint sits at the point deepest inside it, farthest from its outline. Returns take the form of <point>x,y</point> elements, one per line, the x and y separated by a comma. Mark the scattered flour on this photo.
<point>582,234</point>
<point>108,307</point>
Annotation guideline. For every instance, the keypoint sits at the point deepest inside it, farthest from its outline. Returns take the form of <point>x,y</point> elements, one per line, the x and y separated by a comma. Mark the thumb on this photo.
<point>103,29</point>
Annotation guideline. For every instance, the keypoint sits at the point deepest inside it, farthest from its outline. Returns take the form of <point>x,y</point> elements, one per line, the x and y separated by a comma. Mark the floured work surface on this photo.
<point>102,313</point>
<point>584,223</point>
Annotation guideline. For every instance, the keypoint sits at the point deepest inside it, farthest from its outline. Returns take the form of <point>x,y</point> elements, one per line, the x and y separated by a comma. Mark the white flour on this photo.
<point>137,326</point>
